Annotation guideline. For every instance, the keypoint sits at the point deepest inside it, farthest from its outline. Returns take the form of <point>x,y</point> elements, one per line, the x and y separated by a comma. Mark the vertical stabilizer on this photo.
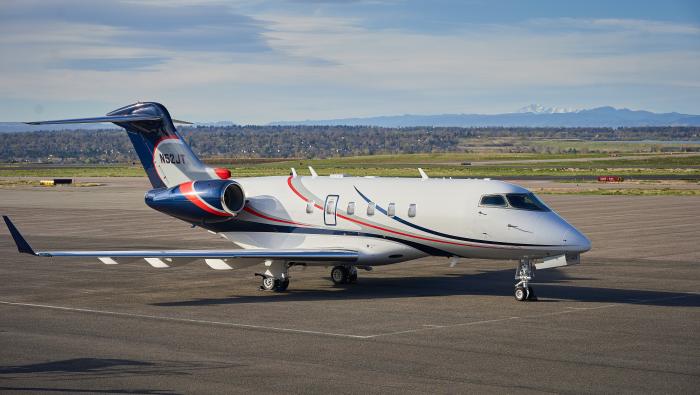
<point>165,156</point>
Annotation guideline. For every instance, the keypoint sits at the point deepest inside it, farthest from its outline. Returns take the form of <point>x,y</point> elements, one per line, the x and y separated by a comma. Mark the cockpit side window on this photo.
<point>526,201</point>
<point>493,200</point>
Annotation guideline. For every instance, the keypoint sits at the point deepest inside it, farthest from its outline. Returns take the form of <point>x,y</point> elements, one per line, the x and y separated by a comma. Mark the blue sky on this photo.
<point>259,61</point>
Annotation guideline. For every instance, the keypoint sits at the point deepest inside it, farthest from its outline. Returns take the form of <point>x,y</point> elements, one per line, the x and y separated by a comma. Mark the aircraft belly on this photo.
<point>373,251</point>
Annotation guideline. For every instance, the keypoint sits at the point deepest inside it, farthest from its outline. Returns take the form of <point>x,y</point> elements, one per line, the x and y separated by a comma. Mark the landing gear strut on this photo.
<point>343,274</point>
<point>524,273</point>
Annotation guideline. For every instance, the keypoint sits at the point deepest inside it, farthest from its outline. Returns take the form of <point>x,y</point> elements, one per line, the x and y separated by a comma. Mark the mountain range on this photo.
<point>530,116</point>
<point>533,115</point>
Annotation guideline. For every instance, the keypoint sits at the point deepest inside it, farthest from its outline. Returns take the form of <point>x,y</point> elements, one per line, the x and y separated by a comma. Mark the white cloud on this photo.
<point>322,67</point>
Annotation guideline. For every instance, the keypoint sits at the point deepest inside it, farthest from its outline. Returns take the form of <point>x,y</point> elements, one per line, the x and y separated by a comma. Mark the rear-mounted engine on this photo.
<point>208,201</point>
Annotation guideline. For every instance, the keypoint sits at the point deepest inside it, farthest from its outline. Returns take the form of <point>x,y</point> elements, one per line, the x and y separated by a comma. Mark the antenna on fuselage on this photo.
<point>294,172</point>
<point>423,176</point>
<point>313,172</point>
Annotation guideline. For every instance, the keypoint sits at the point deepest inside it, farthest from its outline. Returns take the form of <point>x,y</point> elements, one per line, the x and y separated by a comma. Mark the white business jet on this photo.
<point>342,222</point>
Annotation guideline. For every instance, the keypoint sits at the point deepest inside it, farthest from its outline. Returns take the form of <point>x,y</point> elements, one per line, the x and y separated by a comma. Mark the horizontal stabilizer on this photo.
<point>108,118</point>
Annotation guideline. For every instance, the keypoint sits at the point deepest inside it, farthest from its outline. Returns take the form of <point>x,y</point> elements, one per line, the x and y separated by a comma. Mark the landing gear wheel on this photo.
<point>282,285</point>
<point>268,283</point>
<point>520,294</point>
<point>340,275</point>
<point>353,277</point>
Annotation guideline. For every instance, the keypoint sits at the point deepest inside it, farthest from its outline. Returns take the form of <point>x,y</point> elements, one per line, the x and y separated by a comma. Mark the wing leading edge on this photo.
<point>301,255</point>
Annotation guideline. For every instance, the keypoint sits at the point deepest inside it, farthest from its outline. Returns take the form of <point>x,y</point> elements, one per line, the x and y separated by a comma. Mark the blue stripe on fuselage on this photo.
<point>445,235</point>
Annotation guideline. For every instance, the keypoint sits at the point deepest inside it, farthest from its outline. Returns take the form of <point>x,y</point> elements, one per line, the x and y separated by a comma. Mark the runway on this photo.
<point>625,320</point>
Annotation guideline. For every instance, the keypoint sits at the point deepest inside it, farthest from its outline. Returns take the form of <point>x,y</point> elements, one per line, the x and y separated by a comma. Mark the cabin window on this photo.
<point>391,210</point>
<point>309,206</point>
<point>412,210</point>
<point>330,204</point>
<point>370,208</point>
<point>493,200</point>
<point>526,201</point>
<point>351,208</point>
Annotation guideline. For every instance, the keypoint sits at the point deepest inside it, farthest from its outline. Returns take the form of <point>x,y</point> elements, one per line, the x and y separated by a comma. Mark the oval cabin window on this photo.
<point>370,208</point>
<point>412,210</point>
<point>391,210</point>
<point>351,208</point>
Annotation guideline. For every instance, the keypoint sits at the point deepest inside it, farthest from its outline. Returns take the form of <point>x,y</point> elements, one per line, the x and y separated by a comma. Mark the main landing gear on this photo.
<point>524,273</point>
<point>343,275</point>
<point>276,277</point>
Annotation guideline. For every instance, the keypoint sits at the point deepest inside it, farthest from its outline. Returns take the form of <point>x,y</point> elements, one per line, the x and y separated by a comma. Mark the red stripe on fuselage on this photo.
<point>187,190</point>
<point>289,182</point>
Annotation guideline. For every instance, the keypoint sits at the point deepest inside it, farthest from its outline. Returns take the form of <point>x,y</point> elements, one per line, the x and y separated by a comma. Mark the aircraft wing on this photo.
<point>214,258</point>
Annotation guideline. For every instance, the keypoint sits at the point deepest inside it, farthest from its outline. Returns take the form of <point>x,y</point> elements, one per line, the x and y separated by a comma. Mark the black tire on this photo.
<point>531,294</point>
<point>353,278</point>
<point>340,275</point>
<point>520,294</point>
<point>268,284</point>
<point>282,285</point>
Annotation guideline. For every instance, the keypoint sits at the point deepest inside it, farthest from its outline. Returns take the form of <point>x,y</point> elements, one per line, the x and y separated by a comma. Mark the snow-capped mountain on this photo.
<point>540,109</point>
<point>533,116</point>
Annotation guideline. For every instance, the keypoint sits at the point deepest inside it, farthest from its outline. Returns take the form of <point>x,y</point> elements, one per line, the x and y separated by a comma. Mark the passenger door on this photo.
<point>329,210</point>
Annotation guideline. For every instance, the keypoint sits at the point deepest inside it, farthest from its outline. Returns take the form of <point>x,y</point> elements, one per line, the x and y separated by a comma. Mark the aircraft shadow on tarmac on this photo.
<point>491,283</point>
<point>81,368</point>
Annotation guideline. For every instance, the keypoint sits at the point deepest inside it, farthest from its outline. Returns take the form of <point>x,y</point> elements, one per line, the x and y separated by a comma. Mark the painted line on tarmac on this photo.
<point>429,328</point>
<point>567,311</point>
<point>425,328</point>
<point>186,320</point>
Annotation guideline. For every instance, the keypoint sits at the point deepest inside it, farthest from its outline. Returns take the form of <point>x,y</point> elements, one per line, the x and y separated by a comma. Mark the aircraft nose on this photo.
<point>574,238</point>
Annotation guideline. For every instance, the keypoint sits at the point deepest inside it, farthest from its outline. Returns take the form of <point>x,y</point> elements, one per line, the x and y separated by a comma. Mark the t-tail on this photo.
<point>165,156</point>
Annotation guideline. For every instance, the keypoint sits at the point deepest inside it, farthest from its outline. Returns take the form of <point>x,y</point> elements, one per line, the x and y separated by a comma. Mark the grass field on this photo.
<point>405,166</point>
<point>581,146</point>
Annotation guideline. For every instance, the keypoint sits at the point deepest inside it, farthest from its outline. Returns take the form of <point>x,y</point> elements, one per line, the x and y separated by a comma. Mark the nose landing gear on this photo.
<point>524,273</point>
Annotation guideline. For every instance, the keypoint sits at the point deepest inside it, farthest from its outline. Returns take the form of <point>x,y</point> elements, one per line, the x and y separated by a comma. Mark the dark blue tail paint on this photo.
<point>145,135</point>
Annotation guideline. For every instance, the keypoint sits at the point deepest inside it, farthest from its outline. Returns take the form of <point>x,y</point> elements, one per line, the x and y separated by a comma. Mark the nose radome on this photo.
<point>575,238</point>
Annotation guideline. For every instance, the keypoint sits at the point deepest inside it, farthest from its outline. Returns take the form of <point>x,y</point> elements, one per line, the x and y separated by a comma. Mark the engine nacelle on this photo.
<point>206,201</point>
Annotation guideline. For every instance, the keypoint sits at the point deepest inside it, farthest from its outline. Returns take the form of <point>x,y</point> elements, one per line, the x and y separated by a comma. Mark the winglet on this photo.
<point>313,172</point>
<point>22,245</point>
<point>423,176</point>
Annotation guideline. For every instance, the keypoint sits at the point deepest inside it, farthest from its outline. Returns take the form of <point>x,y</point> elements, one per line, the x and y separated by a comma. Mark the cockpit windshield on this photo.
<point>526,201</point>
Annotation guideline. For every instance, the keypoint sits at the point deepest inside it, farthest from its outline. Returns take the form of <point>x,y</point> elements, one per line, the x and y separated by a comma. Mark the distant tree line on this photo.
<point>113,146</point>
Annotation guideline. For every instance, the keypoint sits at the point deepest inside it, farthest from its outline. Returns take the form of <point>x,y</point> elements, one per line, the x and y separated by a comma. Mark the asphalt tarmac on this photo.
<point>626,320</point>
